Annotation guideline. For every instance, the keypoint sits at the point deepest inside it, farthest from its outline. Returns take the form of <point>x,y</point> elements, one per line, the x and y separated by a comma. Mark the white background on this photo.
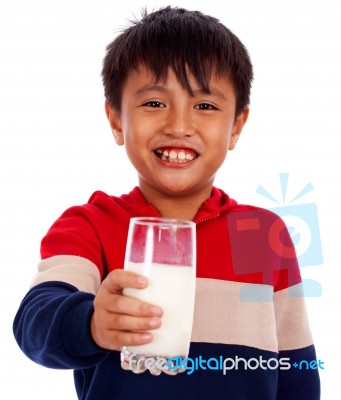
<point>56,147</point>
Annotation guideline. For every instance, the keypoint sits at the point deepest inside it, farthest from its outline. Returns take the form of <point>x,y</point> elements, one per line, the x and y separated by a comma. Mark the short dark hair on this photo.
<point>184,41</point>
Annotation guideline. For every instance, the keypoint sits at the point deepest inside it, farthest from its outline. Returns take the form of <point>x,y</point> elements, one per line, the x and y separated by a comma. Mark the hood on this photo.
<point>135,204</point>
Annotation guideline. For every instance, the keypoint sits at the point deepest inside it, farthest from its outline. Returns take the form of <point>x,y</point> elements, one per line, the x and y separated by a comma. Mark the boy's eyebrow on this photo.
<point>211,91</point>
<point>159,88</point>
<point>150,88</point>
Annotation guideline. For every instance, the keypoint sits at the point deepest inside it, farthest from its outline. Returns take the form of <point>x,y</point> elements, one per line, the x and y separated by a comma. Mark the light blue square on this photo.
<point>304,231</point>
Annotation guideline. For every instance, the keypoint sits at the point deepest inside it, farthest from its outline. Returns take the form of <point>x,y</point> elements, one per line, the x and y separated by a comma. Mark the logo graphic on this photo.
<point>264,242</point>
<point>301,221</point>
<point>173,365</point>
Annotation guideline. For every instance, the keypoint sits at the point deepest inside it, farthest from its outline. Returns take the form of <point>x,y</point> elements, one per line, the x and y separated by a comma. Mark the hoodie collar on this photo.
<point>218,202</point>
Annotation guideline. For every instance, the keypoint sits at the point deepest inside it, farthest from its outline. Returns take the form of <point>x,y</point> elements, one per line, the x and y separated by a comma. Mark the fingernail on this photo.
<point>142,280</point>
<point>157,311</point>
<point>154,323</point>
<point>145,337</point>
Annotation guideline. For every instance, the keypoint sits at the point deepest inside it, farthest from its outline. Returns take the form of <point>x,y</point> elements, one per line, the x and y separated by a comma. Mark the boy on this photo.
<point>177,87</point>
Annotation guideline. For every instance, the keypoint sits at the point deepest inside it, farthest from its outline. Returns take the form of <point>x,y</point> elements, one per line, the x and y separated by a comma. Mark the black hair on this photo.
<point>184,41</point>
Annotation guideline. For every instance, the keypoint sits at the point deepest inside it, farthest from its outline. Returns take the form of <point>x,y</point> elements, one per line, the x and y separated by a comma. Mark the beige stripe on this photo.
<point>291,318</point>
<point>221,317</point>
<point>244,314</point>
<point>77,271</point>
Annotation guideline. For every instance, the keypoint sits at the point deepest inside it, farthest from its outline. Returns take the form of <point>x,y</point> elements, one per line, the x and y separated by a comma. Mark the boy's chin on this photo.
<point>181,189</point>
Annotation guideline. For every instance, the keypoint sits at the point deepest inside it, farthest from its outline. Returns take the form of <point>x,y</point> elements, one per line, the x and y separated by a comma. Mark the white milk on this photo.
<point>173,289</point>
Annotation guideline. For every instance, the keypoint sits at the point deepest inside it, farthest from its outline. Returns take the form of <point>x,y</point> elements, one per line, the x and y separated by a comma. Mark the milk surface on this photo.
<point>173,289</point>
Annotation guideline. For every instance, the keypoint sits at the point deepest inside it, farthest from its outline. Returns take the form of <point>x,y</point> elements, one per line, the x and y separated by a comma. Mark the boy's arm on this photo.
<point>295,342</point>
<point>52,327</point>
<point>53,320</point>
<point>296,347</point>
<point>64,320</point>
<point>263,238</point>
<point>60,325</point>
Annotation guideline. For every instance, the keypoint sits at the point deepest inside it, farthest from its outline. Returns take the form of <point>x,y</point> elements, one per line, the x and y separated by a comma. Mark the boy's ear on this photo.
<point>115,123</point>
<point>238,127</point>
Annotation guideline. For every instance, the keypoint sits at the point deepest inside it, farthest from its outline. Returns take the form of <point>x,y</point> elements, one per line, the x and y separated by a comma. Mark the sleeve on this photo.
<point>74,234</point>
<point>52,327</point>
<point>295,342</point>
<point>261,236</point>
<point>296,345</point>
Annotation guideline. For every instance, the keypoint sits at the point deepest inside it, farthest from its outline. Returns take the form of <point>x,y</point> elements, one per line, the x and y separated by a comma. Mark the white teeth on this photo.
<point>173,155</point>
<point>181,155</point>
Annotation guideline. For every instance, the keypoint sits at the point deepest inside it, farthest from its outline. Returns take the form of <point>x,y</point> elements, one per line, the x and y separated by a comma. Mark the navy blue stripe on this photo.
<point>235,385</point>
<point>241,384</point>
<point>302,380</point>
<point>52,328</point>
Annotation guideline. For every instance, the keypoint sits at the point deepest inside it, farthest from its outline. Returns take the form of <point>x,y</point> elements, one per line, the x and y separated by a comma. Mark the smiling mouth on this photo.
<point>176,155</point>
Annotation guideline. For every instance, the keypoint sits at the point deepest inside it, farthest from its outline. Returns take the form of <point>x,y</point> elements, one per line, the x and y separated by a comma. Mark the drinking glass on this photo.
<point>164,251</point>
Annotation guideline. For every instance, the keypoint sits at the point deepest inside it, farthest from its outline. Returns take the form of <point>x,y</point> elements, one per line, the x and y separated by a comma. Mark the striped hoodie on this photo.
<point>250,340</point>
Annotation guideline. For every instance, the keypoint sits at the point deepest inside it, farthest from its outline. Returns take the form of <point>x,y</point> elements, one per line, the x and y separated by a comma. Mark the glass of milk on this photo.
<point>164,251</point>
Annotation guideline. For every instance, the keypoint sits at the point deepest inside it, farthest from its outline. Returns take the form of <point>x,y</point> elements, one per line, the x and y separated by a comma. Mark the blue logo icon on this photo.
<point>302,223</point>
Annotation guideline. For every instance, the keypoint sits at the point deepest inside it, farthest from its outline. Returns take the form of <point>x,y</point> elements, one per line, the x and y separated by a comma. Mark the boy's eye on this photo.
<point>153,104</point>
<point>205,107</point>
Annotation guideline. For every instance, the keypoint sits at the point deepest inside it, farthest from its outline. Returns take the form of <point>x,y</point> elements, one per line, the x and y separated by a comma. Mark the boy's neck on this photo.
<point>181,207</point>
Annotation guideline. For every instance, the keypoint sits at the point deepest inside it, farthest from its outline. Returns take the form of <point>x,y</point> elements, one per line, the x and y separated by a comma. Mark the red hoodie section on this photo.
<point>234,242</point>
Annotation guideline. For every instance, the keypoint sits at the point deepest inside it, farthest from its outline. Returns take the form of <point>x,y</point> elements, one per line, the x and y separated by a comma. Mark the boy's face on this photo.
<point>176,141</point>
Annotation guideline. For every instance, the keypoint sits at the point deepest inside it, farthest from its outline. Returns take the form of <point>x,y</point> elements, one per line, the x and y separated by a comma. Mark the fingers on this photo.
<point>121,320</point>
<point>127,305</point>
<point>115,337</point>
<point>115,340</point>
<point>110,295</point>
<point>128,323</point>
<point>120,279</point>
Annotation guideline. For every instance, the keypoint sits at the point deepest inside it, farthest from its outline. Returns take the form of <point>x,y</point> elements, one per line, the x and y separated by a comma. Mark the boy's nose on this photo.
<point>179,123</point>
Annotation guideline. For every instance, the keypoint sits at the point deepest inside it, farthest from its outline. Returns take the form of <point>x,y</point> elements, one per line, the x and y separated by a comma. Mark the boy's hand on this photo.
<point>119,320</point>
